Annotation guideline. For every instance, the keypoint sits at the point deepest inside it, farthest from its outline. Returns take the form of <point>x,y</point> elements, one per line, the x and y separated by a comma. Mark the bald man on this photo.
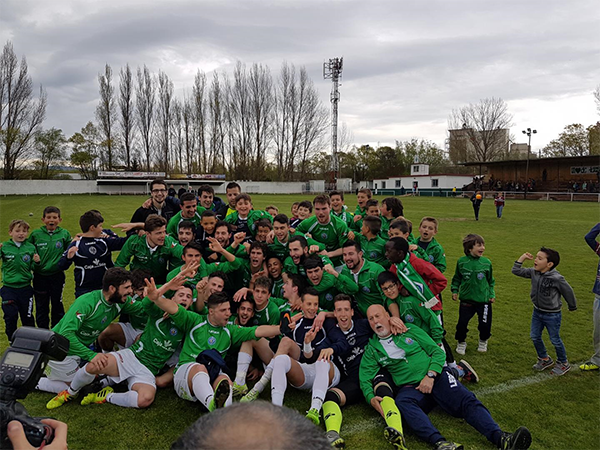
<point>413,370</point>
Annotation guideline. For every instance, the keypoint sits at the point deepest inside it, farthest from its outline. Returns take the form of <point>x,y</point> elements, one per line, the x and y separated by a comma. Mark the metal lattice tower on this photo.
<point>332,70</point>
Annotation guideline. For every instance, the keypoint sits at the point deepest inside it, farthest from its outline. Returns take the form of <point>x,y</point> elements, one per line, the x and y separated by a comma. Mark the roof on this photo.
<point>430,175</point>
<point>557,159</point>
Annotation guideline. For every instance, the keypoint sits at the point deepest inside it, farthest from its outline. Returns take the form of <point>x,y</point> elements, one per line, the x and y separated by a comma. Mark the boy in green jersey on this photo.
<point>18,260</point>
<point>189,211</point>
<point>362,197</point>
<point>427,230</point>
<point>402,227</point>
<point>245,217</point>
<point>391,208</point>
<point>50,242</point>
<point>137,365</point>
<point>275,270</point>
<point>339,209</point>
<point>473,282</point>
<point>327,281</point>
<point>372,244</point>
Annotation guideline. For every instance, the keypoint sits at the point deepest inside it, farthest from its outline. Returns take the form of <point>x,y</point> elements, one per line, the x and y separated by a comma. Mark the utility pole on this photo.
<point>332,70</point>
<point>528,132</point>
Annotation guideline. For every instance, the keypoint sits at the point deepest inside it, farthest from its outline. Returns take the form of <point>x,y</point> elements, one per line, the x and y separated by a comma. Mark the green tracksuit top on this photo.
<point>269,315</point>
<point>253,216</point>
<point>334,234</point>
<point>160,338</point>
<point>437,256</point>
<point>87,317</point>
<point>373,250</point>
<point>281,248</point>
<point>473,280</point>
<point>330,286</point>
<point>369,293</point>
<point>173,225</point>
<point>137,255</point>
<point>50,247</point>
<point>407,357</point>
<point>201,335</point>
<point>17,264</point>
<point>290,267</point>
<point>346,216</point>
<point>206,269</point>
<point>413,312</point>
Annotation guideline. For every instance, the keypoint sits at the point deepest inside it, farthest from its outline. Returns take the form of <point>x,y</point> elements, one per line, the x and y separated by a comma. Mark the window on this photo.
<point>383,183</point>
<point>415,168</point>
<point>398,183</point>
<point>434,182</point>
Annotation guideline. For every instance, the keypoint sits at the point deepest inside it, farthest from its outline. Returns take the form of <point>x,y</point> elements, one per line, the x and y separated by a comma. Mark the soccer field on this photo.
<point>562,413</point>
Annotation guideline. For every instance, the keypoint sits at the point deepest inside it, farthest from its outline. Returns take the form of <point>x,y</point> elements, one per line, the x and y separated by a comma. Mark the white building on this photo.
<point>422,180</point>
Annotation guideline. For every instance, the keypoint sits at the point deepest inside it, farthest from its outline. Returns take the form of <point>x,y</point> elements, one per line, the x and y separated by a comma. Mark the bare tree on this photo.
<point>216,154</point>
<point>485,126</point>
<point>199,100</point>
<point>20,115</point>
<point>126,112</point>
<point>189,136</point>
<point>597,98</point>
<point>105,114</point>
<point>260,85</point>
<point>145,104</point>
<point>165,104</point>
<point>177,135</point>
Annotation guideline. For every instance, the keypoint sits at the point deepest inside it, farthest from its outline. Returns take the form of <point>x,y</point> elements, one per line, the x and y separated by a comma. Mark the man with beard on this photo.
<point>87,317</point>
<point>281,236</point>
<point>364,273</point>
<point>298,251</point>
<point>414,369</point>
<point>189,211</point>
<point>158,203</point>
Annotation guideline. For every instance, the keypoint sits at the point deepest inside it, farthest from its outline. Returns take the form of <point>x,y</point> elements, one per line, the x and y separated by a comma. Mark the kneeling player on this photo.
<point>313,347</point>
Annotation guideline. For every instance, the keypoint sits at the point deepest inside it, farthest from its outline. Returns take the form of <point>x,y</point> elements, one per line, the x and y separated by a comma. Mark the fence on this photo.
<point>557,196</point>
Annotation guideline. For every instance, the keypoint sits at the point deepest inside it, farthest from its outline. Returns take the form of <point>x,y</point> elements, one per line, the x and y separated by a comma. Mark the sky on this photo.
<point>407,63</point>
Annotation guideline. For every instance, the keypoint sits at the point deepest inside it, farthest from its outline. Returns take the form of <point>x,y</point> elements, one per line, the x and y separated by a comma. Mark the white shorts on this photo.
<point>131,369</point>
<point>130,333</point>
<point>310,372</point>
<point>63,370</point>
<point>180,381</point>
<point>174,359</point>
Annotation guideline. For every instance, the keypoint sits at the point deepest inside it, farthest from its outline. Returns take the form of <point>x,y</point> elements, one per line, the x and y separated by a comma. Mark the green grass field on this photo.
<point>561,413</point>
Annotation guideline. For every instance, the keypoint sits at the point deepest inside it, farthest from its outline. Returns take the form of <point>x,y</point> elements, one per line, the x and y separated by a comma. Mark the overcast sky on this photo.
<point>407,64</point>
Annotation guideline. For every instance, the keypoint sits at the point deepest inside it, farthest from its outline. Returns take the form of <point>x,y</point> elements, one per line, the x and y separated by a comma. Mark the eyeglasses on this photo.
<point>158,191</point>
<point>389,288</point>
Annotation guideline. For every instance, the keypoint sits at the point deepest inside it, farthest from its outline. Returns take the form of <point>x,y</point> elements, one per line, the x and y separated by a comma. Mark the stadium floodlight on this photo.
<point>332,70</point>
<point>528,132</point>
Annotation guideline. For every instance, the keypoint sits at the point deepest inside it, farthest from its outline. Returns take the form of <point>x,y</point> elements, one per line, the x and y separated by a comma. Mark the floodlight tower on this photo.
<point>332,70</point>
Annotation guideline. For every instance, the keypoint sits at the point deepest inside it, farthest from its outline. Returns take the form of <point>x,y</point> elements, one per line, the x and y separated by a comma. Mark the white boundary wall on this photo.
<point>266,187</point>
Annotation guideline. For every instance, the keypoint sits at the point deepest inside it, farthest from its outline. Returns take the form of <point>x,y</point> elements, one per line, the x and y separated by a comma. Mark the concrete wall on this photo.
<point>267,187</point>
<point>48,187</point>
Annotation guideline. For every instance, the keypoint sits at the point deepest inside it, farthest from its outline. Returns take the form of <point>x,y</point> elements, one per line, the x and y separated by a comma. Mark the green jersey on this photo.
<point>249,223</point>
<point>385,227</point>
<point>50,246</point>
<point>369,293</point>
<point>330,286</point>
<point>87,317</point>
<point>333,234</point>
<point>269,315</point>
<point>281,248</point>
<point>160,338</point>
<point>17,264</point>
<point>138,255</point>
<point>277,289</point>
<point>407,357</point>
<point>201,335</point>
<point>413,312</point>
<point>139,319</point>
<point>173,225</point>
<point>346,216</point>
<point>436,253</point>
<point>206,269</point>
<point>290,267</point>
<point>356,226</point>
<point>373,249</point>
<point>473,280</point>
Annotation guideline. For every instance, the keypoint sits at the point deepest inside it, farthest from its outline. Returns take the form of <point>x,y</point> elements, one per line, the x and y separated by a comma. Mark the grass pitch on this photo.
<point>562,413</point>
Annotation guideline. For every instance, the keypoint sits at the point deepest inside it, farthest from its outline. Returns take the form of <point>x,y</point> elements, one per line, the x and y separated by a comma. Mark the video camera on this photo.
<point>21,367</point>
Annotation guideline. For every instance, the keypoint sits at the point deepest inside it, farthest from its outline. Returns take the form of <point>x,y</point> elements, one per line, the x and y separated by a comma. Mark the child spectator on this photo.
<point>428,229</point>
<point>473,283</point>
<point>594,361</point>
<point>18,260</point>
<point>547,287</point>
<point>50,242</point>
<point>499,203</point>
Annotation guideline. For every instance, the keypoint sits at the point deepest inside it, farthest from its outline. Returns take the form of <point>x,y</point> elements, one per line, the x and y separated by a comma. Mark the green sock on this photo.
<point>392,415</point>
<point>333,416</point>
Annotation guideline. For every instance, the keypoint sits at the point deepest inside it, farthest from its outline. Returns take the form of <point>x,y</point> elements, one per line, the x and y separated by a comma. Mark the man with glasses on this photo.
<point>158,203</point>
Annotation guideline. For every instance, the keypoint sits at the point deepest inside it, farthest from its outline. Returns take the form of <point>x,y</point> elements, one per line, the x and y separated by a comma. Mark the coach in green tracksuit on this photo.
<point>50,241</point>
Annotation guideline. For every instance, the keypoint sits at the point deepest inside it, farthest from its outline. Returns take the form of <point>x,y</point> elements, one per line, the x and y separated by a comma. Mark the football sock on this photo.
<point>229,400</point>
<point>265,379</point>
<point>333,416</point>
<point>203,391</point>
<point>127,399</point>
<point>82,378</point>
<point>320,384</point>
<point>281,367</point>
<point>53,386</point>
<point>244,360</point>
<point>392,415</point>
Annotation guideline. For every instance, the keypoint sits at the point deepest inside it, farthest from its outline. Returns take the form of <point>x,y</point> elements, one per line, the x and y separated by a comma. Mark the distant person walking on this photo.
<point>499,203</point>
<point>476,199</point>
<point>594,362</point>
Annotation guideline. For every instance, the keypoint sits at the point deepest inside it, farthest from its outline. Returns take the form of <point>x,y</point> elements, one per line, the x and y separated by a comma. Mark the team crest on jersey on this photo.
<point>212,340</point>
<point>26,258</point>
<point>352,340</point>
<point>58,244</point>
<point>373,255</point>
<point>104,319</point>
<point>366,289</point>
<point>173,331</point>
<point>161,260</point>
<point>93,250</point>
<point>409,318</point>
<point>329,297</point>
<point>324,235</point>
<point>409,341</point>
<point>480,276</point>
<point>431,258</point>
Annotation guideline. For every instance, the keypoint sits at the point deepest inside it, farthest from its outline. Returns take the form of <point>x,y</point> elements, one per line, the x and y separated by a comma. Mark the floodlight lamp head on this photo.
<point>534,131</point>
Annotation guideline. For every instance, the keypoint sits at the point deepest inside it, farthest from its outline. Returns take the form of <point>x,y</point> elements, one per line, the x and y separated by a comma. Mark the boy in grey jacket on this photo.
<point>547,287</point>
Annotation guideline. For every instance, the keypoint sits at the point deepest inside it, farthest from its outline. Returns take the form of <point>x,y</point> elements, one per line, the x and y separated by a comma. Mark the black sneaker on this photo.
<point>519,440</point>
<point>470,375</point>
<point>335,439</point>
<point>445,445</point>
<point>395,438</point>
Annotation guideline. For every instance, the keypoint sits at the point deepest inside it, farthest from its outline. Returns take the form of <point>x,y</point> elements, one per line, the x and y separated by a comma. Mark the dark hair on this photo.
<point>261,246</point>
<point>217,298</point>
<point>222,223</point>
<point>157,181</point>
<point>138,277</point>
<point>469,242</point>
<point>306,204</point>
<point>387,276</point>
<point>250,300</point>
<point>187,225</point>
<point>310,291</point>
<point>332,193</point>
<point>298,238</point>
<point>219,274</point>
<point>90,218</point>
<point>264,282</point>
<point>233,185</point>
<point>115,276</point>
<point>404,225</point>
<point>154,222</point>
<point>366,191</point>
<point>399,244</point>
<point>322,199</point>
<point>253,425</point>
<point>187,197</point>
<point>206,188</point>
<point>263,223</point>
<point>312,262</point>
<point>241,197</point>
<point>373,223</point>
<point>371,202</point>
<point>51,210</point>
<point>351,243</point>
<point>207,213</point>
<point>343,298</point>
<point>394,205</point>
<point>193,245</point>
<point>298,281</point>
<point>552,256</point>
<point>281,218</point>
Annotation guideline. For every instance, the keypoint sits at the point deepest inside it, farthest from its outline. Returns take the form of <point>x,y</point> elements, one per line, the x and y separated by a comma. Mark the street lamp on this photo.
<point>528,132</point>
